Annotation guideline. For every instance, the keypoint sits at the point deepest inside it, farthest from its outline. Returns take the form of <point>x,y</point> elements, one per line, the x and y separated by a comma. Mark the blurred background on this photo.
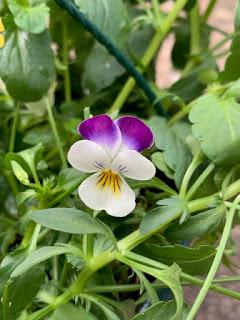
<point>222,17</point>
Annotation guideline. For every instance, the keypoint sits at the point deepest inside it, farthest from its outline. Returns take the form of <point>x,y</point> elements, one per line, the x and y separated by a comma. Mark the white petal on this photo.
<point>118,205</point>
<point>123,204</point>
<point>133,165</point>
<point>93,197</point>
<point>87,156</point>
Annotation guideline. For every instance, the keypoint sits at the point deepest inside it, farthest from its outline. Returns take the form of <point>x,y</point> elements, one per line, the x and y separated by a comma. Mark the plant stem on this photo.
<point>156,10</point>
<point>149,54</point>
<point>181,114</point>
<point>14,128</point>
<point>128,243</point>
<point>12,181</point>
<point>137,287</point>
<point>195,45</point>
<point>209,10</point>
<point>188,174</point>
<point>216,261</point>
<point>5,300</point>
<point>67,79</point>
<point>67,192</point>
<point>199,181</point>
<point>195,40</point>
<point>88,241</point>
<point>184,276</point>
<point>34,240</point>
<point>96,263</point>
<point>28,234</point>
<point>56,134</point>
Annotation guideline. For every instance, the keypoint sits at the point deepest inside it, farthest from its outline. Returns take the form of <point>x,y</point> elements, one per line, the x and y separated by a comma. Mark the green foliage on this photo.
<point>111,19</point>
<point>31,17</point>
<point>231,68</point>
<point>160,216</point>
<point>172,141</point>
<point>164,310</point>
<point>68,220</point>
<point>59,259</point>
<point>26,64</point>
<point>41,255</point>
<point>101,70</point>
<point>29,283</point>
<point>68,311</point>
<point>196,261</point>
<point>196,226</point>
<point>210,134</point>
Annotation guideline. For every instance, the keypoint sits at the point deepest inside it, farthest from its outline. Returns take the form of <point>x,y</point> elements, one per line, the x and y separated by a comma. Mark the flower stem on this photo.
<point>195,41</point>
<point>188,174</point>
<point>199,181</point>
<point>14,128</point>
<point>156,11</point>
<point>34,240</point>
<point>56,134</point>
<point>193,281</point>
<point>216,261</point>
<point>209,10</point>
<point>149,54</point>
<point>67,79</point>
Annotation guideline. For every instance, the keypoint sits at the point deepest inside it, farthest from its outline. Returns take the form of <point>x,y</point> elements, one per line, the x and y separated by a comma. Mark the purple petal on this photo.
<point>136,135</point>
<point>102,130</point>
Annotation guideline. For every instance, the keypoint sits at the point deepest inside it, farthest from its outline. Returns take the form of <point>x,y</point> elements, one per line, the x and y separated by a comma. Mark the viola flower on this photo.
<point>111,151</point>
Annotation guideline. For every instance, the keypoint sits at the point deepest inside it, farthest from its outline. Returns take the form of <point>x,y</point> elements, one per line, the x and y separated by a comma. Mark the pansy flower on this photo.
<point>111,151</point>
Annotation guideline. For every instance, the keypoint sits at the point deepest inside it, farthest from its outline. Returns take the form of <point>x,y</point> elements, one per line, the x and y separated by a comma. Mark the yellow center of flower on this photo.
<point>2,29</point>
<point>109,180</point>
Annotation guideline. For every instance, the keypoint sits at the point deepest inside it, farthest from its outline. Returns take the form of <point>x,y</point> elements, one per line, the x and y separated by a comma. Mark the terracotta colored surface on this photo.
<point>215,306</point>
<point>222,17</point>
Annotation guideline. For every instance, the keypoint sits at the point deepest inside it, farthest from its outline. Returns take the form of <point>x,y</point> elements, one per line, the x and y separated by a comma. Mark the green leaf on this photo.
<point>70,178</point>
<point>202,223</point>
<point>170,208</point>
<point>41,255</point>
<point>31,17</point>
<point>155,183</point>
<point>68,220</point>
<point>26,195</point>
<point>161,310</point>
<point>191,86</point>
<point>26,64</point>
<point>221,143</point>
<point>105,307</point>
<point>159,161</point>
<point>100,71</point>
<point>196,261</point>
<point>9,263</point>
<point>110,17</point>
<point>32,156</point>
<point>28,283</point>
<point>69,311</point>
<point>231,70</point>
<point>171,277</point>
<point>181,48</point>
<point>149,288</point>
<point>38,135</point>
<point>172,141</point>
<point>20,173</point>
